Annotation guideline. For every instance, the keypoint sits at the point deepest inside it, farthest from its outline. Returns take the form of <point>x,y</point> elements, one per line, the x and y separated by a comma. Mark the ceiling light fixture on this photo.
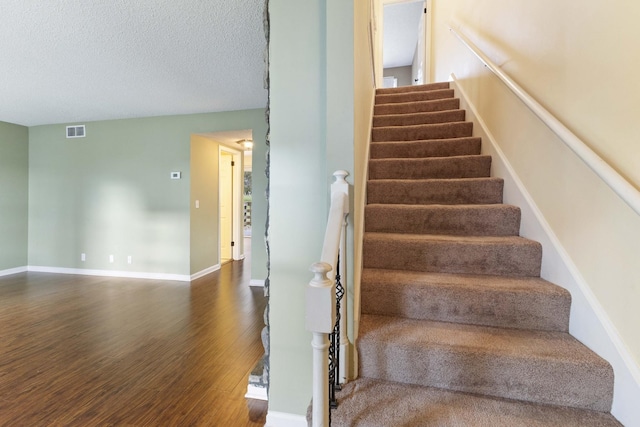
<point>247,144</point>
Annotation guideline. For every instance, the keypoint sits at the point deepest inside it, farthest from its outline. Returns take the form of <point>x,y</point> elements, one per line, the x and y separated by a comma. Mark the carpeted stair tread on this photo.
<point>419,118</point>
<point>417,107</point>
<point>420,132</point>
<point>501,301</point>
<point>435,191</point>
<point>474,220</point>
<point>373,403</point>
<point>536,366</point>
<point>495,255</point>
<point>413,88</point>
<point>476,166</point>
<point>464,146</point>
<point>414,96</point>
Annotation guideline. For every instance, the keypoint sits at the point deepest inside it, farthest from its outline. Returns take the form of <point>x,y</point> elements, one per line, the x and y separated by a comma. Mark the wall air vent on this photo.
<point>77,131</point>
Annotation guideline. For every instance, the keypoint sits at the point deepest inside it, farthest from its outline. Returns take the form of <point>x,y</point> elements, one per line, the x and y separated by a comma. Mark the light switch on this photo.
<point>197,204</point>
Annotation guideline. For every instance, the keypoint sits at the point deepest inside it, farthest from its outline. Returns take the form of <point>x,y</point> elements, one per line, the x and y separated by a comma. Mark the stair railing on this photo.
<point>623,188</point>
<point>326,307</point>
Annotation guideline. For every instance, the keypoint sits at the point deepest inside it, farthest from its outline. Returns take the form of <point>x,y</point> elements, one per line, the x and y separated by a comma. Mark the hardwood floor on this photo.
<point>91,351</point>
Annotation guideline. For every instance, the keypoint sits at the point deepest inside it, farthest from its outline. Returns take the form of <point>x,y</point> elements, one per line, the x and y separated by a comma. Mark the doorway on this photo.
<point>230,184</point>
<point>226,206</point>
<point>406,42</point>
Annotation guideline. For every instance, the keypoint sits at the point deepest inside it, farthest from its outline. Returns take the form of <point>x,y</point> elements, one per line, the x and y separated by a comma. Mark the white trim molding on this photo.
<point>255,392</point>
<point>283,419</point>
<point>10,271</point>
<point>256,282</point>
<point>110,273</point>
<point>589,321</point>
<point>206,271</point>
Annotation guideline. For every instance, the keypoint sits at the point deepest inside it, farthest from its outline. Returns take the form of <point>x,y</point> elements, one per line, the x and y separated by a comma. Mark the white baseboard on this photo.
<point>589,321</point>
<point>255,282</point>
<point>206,271</point>
<point>282,419</point>
<point>111,273</point>
<point>10,271</point>
<point>255,392</point>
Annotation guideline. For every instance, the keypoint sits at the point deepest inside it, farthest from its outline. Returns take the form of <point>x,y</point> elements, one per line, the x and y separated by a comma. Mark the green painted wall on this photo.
<point>204,188</point>
<point>14,179</point>
<point>311,93</point>
<point>259,199</point>
<point>111,192</point>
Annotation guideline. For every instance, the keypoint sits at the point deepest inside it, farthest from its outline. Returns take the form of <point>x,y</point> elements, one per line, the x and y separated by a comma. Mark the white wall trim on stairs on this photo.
<point>111,273</point>
<point>283,419</point>
<point>206,271</point>
<point>256,282</point>
<point>10,271</point>
<point>255,392</point>
<point>589,321</point>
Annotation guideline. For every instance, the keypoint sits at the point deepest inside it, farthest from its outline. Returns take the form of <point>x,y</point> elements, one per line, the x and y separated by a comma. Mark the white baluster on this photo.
<point>343,363</point>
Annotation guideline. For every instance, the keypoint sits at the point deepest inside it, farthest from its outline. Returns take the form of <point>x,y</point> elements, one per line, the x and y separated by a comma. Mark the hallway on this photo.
<point>90,351</point>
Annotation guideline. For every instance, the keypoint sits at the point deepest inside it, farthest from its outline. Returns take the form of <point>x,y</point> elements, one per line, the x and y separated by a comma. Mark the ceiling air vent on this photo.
<point>76,131</point>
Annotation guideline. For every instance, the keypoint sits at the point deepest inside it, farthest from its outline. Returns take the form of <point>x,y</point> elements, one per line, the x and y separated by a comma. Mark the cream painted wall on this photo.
<point>204,189</point>
<point>578,61</point>
<point>364,96</point>
<point>377,37</point>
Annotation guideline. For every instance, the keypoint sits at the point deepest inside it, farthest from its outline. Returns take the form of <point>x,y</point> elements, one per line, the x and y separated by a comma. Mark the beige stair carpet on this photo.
<point>457,327</point>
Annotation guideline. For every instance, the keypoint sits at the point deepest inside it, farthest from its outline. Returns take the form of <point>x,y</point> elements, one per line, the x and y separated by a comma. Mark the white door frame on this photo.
<point>237,233</point>
<point>427,34</point>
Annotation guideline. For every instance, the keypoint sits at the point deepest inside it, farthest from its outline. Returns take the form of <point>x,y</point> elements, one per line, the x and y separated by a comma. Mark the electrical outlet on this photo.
<point>129,259</point>
<point>83,257</point>
<point>111,259</point>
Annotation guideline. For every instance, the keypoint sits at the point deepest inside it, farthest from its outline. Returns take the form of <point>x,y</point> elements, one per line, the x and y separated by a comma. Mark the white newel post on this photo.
<point>320,320</point>
<point>342,186</point>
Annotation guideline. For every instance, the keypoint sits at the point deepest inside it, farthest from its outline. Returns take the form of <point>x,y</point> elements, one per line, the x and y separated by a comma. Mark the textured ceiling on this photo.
<point>400,28</point>
<point>79,60</point>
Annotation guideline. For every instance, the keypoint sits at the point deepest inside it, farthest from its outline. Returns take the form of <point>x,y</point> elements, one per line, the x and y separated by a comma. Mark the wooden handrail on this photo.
<point>623,188</point>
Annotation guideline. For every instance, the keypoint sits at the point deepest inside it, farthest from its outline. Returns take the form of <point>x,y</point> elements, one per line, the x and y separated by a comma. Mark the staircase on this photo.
<point>457,327</point>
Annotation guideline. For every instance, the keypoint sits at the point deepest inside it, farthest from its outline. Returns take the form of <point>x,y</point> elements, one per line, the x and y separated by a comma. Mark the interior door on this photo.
<point>226,206</point>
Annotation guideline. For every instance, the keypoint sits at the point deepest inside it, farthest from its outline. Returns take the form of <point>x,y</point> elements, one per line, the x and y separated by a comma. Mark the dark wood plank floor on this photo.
<point>91,351</point>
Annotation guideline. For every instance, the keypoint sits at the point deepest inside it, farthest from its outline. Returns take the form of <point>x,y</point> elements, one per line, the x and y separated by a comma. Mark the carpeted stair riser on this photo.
<point>507,302</point>
<point>456,220</point>
<point>435,191</point>
<point>452,254</point>
<point>417,107</point>
<point>374,403</point>
<point>419,118</point>
<point>426,148</point>
<point>435,167</point>
<point>394,98</point>
<point>419,132</point>
<point>414,88</point>
<point>536,366</point>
